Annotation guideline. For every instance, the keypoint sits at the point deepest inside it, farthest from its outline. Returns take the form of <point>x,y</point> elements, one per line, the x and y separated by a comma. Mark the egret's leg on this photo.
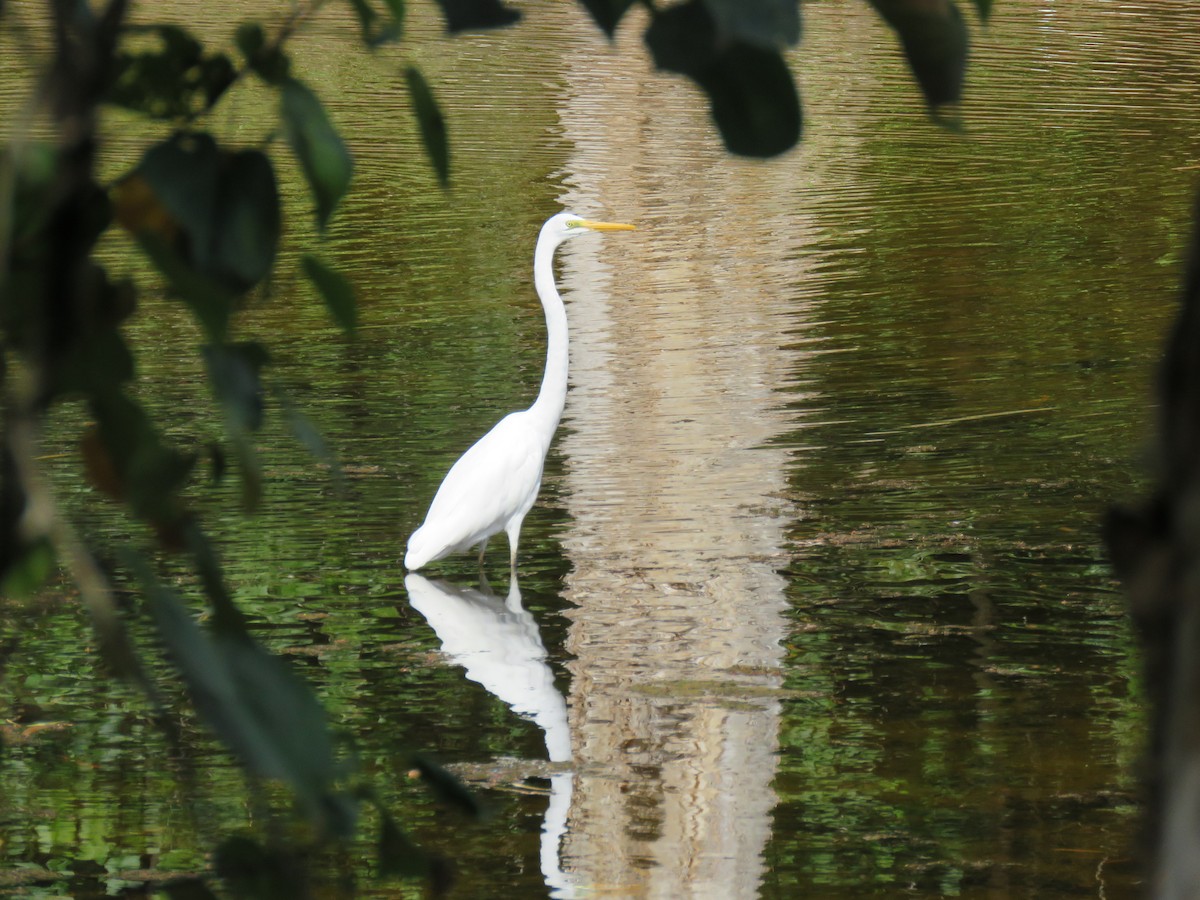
<point>514,538</point>
<point>482,550</point>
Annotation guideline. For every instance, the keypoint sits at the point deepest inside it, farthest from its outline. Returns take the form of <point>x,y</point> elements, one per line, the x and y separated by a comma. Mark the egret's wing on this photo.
<point>494,480</point>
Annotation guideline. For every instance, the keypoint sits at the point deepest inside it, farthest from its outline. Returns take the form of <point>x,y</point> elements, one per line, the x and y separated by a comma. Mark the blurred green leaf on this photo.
<point>449,789</point>
<point>173,82</point>
<point>751,94</point>
<point>319,148</point>
<point>246,220</point>
<point>216,74</point>
<point>150,474</point>
<point>250,39</point>
<point>259,708</point>
<point>936,44</point>
<point>771,24</point>
<point>335,290</point>
<point>215,211</point>
<point>99,361</point>
<point>235,373</point>
<point>309,437</point>
<point>209,301</point>
<point>255,872</point>
<point>430,122</point>
<point>267,61</point>
<point>471,15</point>
<point>984,8</point>
<point>607,13</point>
<point>27,568</point>
<point>181,173</point>
<point>377,29</point>
<point>398,9</point>
<point>399,857</point>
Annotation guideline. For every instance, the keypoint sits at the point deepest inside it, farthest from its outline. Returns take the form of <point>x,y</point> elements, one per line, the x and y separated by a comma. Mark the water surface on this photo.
<point>814,600</point>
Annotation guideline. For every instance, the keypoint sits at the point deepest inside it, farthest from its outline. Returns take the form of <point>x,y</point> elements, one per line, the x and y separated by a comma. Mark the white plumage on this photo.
<point>494,484</point>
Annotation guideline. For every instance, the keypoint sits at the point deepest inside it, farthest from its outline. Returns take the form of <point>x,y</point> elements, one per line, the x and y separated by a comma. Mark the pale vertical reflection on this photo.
<point>499,645</point>
<point>673,494</point>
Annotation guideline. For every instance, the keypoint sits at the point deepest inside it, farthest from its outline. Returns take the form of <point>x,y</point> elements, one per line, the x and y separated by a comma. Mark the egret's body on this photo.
<point>495,483</point>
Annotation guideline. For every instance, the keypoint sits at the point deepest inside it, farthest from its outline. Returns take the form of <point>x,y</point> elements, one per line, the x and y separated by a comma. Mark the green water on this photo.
<point>815,572</point>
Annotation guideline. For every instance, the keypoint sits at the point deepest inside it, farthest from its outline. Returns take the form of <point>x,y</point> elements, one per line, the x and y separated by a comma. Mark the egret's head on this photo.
<point>565,225</point>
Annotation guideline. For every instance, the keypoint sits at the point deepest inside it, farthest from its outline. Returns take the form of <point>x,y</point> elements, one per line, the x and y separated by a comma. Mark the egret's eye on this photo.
<point>574,223</point>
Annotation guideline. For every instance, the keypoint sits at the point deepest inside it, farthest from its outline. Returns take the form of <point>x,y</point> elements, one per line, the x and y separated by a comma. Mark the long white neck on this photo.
<point>553,395</point>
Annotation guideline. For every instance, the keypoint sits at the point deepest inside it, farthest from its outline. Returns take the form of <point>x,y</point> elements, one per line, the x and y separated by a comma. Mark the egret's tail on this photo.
<point>418,553</point>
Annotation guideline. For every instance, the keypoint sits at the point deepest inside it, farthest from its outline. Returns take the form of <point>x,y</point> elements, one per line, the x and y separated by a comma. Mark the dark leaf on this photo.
<point>250,39</point>
<point>377,29</point>
<point>179,45</point>
<point>173,82</point>
<point>267,61</point>
<point>216,74</point>
<point>309,437</point>
<point>335,290</point>
<point>449,789</point>
<point>253,871</point>
<point>471,15</point>
<point>181,174</point>
<point>100,362</point>
<point>209,301</point>
<point>188,888</point>
<point>771,24</point>
<point>430,122</point>
<point>234,371</point>
<point>751,93</point>
<point>319,148</point>
<point>246,220</point>
<point>607,13</point>
<point>227,619</point>
<point>984,7</point>
<point>935,42</point>
<point>256,704</point>
<point>399,857</point>
<point>149,473</point>
<point>217,212</point>
<point>28,569</point>
<point>397,9</point>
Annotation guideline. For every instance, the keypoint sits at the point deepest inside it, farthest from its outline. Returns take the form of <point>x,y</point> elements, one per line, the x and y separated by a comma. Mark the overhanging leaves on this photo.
<point>379,29</point>
<point>247,222</point>
<point>449,789</point>
<point>174,82</point>
<point>763,23</point>
<point>234,371</point>
<point>750,90</point>
<point>936,44</point>
<point>318,146</point>
<point>256,705</point>
<point>473,15</point>
<point>146,473</point>
<point>607,13</point>
<point>334,289</point>
<point>430,122</point>
<point>210,210</point>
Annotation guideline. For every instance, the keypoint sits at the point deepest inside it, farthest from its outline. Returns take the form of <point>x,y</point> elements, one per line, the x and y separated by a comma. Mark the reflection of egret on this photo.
<point>493,485</point>
<point>498,643</point>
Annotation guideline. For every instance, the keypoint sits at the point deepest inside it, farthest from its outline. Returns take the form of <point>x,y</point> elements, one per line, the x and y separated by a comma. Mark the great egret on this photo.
<point>493,485</point>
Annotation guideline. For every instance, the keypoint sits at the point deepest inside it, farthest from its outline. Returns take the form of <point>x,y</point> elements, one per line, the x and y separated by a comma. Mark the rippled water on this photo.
<point>813,600</point>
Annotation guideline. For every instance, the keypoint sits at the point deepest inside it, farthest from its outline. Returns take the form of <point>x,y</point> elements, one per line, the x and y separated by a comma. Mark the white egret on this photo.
<point>494,484</point>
